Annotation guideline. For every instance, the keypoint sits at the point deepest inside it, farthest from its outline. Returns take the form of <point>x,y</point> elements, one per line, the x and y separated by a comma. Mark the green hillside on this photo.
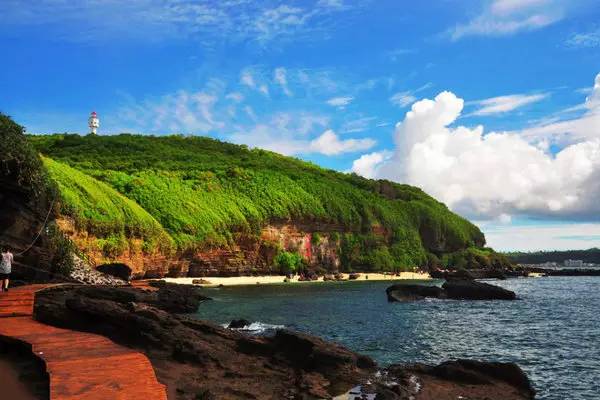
<point>195,192</point>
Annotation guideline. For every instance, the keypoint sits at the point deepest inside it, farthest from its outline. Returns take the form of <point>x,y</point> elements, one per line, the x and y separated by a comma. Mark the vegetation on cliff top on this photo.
<point>199,192</point>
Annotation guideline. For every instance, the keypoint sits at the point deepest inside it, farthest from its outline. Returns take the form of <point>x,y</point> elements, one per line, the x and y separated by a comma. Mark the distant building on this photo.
<point>93,123</point>
<point>574,263</point>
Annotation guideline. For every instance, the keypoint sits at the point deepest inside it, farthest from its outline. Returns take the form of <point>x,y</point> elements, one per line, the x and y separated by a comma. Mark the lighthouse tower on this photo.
<point>93,122</point>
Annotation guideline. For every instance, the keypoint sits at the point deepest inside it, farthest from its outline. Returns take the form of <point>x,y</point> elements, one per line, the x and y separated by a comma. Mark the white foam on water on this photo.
<point>257,327</point>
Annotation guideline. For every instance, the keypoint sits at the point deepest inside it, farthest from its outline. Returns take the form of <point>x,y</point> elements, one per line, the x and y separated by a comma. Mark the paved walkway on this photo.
<point>80,365</point>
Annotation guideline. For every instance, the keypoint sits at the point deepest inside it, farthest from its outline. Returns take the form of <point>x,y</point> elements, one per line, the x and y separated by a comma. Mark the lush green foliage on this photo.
<point>19,162</point>
<point>200,191</point>
<point>288,262</point>
<point>589,256</point>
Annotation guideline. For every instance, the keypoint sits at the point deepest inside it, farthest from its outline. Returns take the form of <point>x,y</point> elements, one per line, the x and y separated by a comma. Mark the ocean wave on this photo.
<point>257,327</point>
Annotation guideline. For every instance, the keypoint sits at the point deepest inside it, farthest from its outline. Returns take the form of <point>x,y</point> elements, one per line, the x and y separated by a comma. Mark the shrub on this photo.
<point>288,262</point>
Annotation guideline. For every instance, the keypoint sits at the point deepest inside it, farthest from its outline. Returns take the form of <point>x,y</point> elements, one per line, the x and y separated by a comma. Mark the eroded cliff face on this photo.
<point>318,244</point>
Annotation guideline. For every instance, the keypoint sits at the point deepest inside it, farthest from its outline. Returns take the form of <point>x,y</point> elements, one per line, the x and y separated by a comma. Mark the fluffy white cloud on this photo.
<point>498,174</point>
<point>330,144</point>
<point>367,164</point>
<point>502,104</point>
<point>341,101</point>
<point>504,17</point>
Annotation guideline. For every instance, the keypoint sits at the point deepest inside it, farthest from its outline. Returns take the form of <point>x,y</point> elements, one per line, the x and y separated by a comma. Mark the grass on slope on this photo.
<point>202,191</point>
<point>103,212</point>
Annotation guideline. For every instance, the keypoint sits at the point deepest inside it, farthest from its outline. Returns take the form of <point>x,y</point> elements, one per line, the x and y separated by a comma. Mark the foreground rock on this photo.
<point>454,289</point>
<point>201,360</point>
<point>460,379</point>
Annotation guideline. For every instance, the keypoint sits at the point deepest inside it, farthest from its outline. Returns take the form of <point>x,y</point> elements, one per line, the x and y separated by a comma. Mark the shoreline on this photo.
<point>280,279</point>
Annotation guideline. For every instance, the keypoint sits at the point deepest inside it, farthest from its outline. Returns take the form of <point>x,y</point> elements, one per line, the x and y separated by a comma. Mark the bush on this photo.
<point>288,262</point>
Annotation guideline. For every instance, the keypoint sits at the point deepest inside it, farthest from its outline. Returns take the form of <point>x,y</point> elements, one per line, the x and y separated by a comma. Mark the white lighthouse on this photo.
<point>93,122</point>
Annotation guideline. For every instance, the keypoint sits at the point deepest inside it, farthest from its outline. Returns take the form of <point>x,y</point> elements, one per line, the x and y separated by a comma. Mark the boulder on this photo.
<point>452,289</point>
<point>473,290</point>
<point>353,276</point>
<point>118,270</point>
<point>201,282</point>
<point>402,292</point>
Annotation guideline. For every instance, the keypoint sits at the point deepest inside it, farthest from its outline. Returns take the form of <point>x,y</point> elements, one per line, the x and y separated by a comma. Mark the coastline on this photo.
<point>279,279</point>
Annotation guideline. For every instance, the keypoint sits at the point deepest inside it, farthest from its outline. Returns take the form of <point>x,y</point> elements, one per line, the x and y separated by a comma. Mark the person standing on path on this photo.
<point>5,268</point>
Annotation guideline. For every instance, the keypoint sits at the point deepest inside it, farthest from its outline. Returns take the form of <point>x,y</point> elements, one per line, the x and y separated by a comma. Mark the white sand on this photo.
<point>253,280</point>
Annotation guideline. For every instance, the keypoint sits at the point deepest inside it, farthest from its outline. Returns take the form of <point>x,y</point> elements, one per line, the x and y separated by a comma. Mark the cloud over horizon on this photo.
<point>495,175</point>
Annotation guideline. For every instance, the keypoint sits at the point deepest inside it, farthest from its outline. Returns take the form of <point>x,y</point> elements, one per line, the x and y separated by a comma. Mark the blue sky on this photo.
<point>329,80</point>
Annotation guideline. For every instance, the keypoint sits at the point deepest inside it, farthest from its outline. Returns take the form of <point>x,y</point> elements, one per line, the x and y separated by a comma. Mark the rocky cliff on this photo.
<point>191,206</point>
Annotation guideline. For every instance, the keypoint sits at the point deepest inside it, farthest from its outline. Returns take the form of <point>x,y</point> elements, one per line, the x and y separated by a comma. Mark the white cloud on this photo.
<point>497,173</point>
<point>341,101</point>
<point>247,79</point>
<point>503,104</point>
<point>290,134</point>
<point>181,112</point>
<point>403,99</point>
<point>330,144</point>
<point>367,164</point>
<point>236,97</point>
<point>280,77</point>
<point>585,39</point>
<point>207,21</point>
<point>505,17</point>
<point>407,97</point>
<point>357,125</point>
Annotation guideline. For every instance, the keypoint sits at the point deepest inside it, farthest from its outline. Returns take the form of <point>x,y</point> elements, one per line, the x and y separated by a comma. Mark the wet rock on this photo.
<point>402,292</point>
<point>193,356</point>
<point>473,290</point>
<point>238,324</point>
<point>453,289</point>
<point>353,276</point>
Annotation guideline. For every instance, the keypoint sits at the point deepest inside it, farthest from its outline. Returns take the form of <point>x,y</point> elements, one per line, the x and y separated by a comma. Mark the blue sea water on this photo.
<point>552,332</point>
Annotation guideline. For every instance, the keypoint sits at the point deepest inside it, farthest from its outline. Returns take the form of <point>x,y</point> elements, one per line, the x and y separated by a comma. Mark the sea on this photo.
<point>552,331</point>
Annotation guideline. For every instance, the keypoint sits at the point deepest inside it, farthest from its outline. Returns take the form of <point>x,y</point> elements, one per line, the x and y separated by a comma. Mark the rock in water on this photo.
<point>238,323</point>
<point>473,290</point>
<point>453,289</point>
<point>402,292</point>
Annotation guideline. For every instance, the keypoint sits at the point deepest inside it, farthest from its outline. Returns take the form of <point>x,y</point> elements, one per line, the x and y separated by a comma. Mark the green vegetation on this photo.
<point>538,257</point>
<point>288,262</point>
<point>194,192</point>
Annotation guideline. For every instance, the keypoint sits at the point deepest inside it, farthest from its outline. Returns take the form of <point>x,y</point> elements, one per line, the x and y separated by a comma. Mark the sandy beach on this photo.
<point>271,279</point>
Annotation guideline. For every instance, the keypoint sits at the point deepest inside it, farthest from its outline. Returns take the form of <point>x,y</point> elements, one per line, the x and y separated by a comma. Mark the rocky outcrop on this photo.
<point>473,290</point>
<point>200,360</point>
<point>453,289</point>
<point>459,379</point>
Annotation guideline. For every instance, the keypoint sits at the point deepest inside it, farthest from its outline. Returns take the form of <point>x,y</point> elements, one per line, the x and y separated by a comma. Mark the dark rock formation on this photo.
<point>412,292</point>
<point>200,360</point>
<point>453,289</point>
<point>452,380</point>
<point>473,290</point>
<point>353,276</point>
<point>118,270</point>
<point>238,323</point>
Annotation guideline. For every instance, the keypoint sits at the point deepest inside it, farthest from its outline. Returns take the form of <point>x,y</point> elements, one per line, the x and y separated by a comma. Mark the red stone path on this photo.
<point>80,365</point>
